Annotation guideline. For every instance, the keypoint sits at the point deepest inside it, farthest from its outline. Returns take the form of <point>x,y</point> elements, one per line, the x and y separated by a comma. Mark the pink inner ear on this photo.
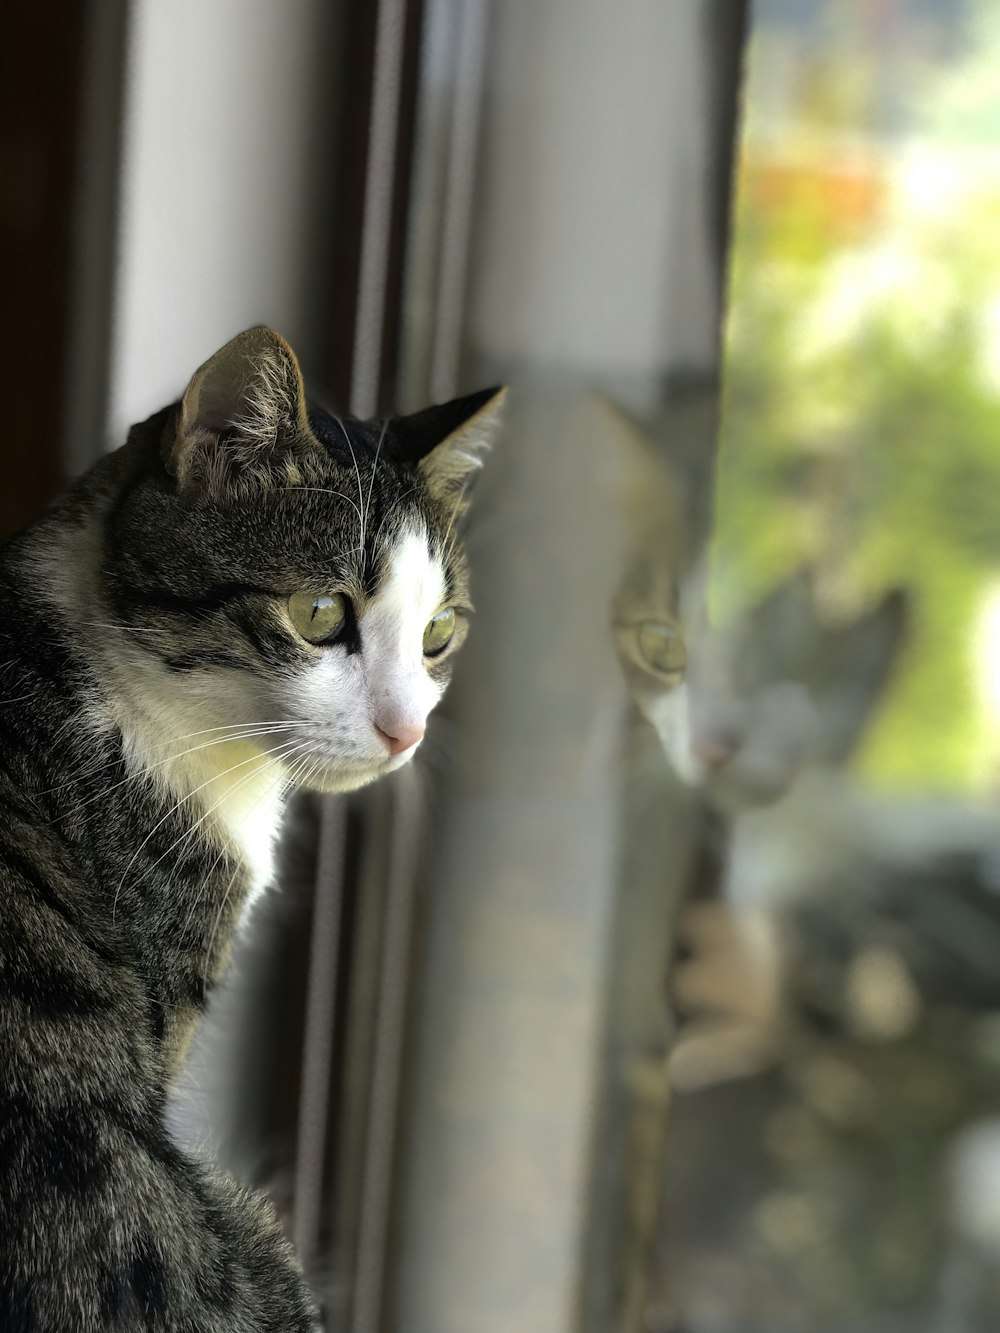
<point>219,403</point>
<point>252,384</point>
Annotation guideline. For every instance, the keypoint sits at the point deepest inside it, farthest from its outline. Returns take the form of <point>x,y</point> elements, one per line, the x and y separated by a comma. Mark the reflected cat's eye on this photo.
<point>662,648</point>
<point>439,632</point>
<point>318,617</point>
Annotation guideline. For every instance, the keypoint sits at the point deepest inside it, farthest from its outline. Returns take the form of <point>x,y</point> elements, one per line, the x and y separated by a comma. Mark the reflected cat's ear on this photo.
<point>449,442</point>
<point>242,425</point>
<point>858,661</point>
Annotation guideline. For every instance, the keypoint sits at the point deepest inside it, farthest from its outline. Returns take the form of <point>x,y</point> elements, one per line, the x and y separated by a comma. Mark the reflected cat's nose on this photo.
<point>713,754</point>
<point>715,749</point>
<point>399,736</point>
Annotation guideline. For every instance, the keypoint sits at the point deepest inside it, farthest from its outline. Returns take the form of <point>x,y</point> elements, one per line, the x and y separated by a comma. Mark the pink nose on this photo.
<point>399,736</point>
<point>714,752</point>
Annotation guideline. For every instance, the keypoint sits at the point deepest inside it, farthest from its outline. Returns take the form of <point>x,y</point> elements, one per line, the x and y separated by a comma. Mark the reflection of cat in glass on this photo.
<point>741,711</point>
<point>733,726</point>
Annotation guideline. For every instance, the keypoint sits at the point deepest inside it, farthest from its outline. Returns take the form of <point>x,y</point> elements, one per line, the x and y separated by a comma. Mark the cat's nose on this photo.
<point>715,751</point>
<point>399,736</point>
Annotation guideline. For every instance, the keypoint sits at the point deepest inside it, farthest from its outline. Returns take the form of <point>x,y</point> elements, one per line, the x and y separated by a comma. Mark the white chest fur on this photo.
<point>250,817</point>
<point>239,794</point>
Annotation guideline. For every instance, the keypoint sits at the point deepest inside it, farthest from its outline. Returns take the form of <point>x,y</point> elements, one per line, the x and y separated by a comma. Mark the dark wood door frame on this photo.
<point>61,75</point>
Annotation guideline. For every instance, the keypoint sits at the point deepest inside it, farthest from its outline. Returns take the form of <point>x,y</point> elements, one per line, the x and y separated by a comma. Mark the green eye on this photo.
<point>317,617</point>
<point>662,648</point>
<point>439,631</point>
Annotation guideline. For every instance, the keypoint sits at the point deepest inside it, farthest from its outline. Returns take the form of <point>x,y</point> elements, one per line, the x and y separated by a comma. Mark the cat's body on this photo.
<point>156,705</point>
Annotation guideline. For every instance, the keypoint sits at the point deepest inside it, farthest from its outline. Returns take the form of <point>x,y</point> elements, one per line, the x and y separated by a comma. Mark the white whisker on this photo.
<point>357,473</point>
<point>218,918</point>
<point>243,728</point>
<point>389,511</point>
<point>371,484</point>
<point>113,624</point>
<point>146,770</point>
<point>322,490</point>
<point>177,805</point>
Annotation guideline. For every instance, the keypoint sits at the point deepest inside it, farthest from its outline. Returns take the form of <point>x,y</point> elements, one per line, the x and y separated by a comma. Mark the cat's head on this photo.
<point>291,575</point>
<point>739,710</point>
<point>782,688</point>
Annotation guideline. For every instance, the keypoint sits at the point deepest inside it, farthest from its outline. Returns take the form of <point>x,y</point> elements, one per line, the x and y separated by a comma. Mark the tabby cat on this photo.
<point>740,711</point>
<point>250,595</point>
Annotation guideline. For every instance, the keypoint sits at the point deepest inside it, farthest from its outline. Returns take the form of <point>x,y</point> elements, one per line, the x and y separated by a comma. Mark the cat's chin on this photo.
<point>347,777</point>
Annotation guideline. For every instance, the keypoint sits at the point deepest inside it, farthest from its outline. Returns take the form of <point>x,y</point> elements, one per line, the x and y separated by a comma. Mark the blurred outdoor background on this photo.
<point>662,995</point>
<point>849,1183</point>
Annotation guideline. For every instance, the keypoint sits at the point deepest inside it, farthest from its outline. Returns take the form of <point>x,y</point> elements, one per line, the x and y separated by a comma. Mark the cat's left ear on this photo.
<point>449,442</point>
<point>242,425</point>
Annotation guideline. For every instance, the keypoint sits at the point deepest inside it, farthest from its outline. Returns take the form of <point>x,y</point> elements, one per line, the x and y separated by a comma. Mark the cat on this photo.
<point>722,720</point>
<point>741,712</point>
<point>249,596</point>
<point>776,691</point>
<point>742,709</point>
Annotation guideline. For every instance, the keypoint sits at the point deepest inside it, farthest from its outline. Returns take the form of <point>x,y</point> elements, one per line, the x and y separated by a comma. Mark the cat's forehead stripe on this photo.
<point>414,582</point>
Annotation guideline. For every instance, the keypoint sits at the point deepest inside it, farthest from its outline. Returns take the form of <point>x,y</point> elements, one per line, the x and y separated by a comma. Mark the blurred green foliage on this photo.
<point>861,412</point>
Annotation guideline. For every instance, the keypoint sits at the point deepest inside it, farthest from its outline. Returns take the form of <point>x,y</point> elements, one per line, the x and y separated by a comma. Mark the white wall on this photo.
<point>592,251</point>
<point>227,116</point>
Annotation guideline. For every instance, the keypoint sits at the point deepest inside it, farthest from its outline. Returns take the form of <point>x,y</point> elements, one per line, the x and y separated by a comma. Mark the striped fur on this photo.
<point>147,668</point>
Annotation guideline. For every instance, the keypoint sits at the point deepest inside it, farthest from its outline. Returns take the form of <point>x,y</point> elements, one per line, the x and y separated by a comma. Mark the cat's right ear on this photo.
<point>242,426</point>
